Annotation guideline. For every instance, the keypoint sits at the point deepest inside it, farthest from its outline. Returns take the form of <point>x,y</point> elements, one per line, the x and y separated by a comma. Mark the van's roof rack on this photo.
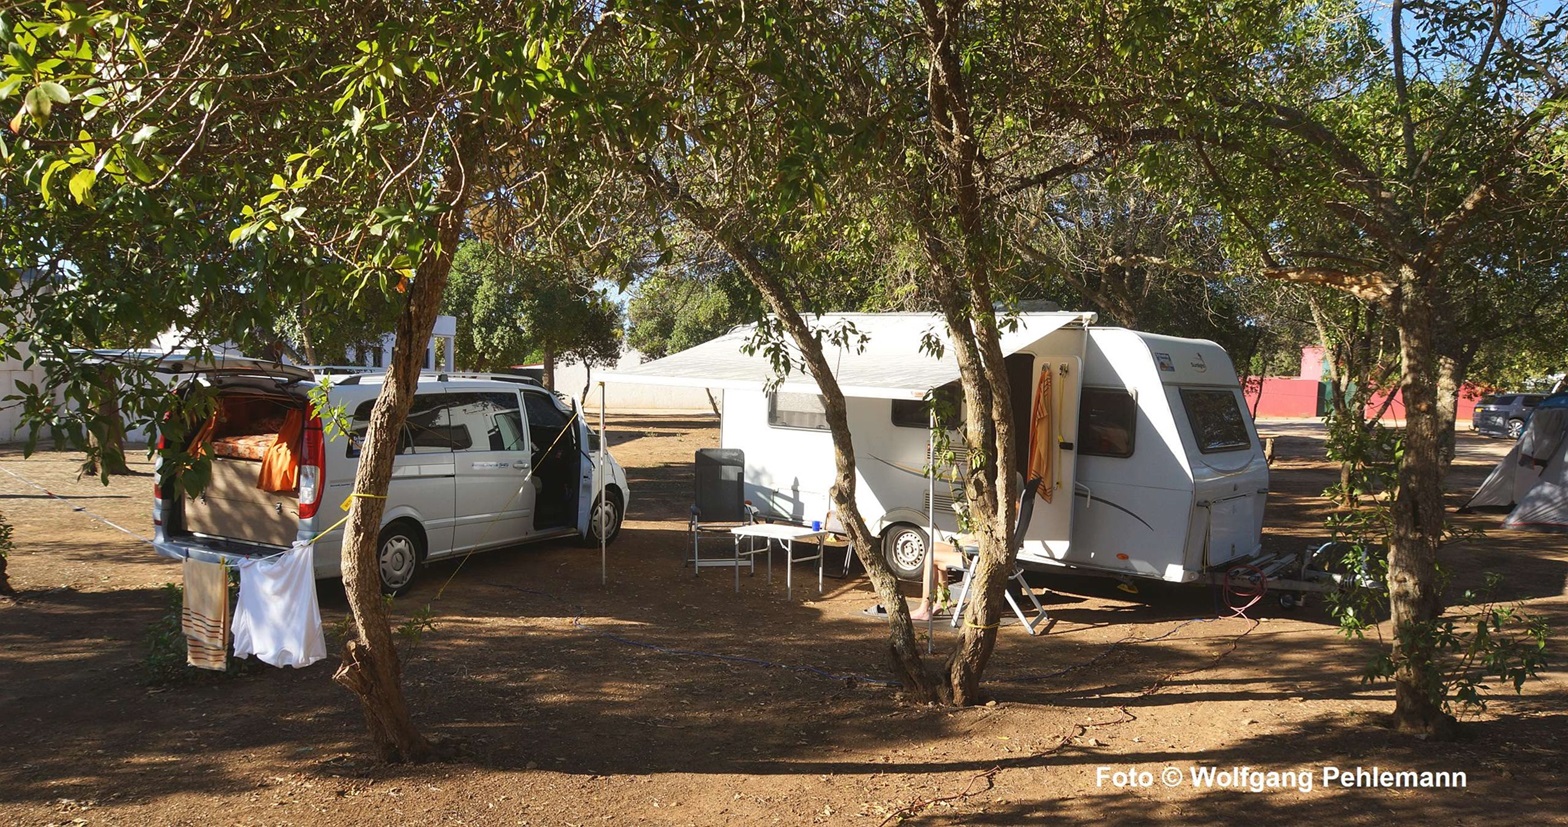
<point>498,377</point>
<point>352,374</point>
<point>343,374</point>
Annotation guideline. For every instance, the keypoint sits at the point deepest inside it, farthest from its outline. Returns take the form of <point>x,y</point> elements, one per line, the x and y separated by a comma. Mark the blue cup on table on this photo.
<point>816,525</point>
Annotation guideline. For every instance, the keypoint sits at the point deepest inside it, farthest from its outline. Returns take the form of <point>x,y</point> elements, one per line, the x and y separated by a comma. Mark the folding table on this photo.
<point>787,535</point>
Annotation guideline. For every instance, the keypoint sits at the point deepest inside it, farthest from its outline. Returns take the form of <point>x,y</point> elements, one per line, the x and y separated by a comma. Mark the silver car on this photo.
<point>483,462</point>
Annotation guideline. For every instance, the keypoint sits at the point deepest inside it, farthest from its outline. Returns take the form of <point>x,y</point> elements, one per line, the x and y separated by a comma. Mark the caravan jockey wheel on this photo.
<point>1244,587</point>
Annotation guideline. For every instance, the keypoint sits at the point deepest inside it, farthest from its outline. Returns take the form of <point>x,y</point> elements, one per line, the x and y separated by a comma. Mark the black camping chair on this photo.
<point>1025,512</point>
<point>718,506</point>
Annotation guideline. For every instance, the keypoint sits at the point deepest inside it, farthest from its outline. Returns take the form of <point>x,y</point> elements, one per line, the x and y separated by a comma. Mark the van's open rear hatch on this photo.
<point>250,498</point>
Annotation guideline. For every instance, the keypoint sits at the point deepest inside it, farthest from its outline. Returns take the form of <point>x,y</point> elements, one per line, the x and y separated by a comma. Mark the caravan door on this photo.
<point>1054,386</point>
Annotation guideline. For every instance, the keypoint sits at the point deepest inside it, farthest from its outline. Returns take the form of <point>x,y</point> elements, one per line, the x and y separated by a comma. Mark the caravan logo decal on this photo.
<point>1167,365</point>
<point>1198,364</point>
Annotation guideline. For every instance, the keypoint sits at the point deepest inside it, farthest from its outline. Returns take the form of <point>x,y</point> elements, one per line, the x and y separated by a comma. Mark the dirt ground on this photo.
<point>660,698</point>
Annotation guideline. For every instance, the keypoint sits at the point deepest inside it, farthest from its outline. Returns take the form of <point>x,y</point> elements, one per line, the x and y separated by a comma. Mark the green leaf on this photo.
<point>143,134</point>
<point>37,103</point>
<point>49,173</point>
<point>55,91</point>
<point>139,168</point>
<point>82,185</point>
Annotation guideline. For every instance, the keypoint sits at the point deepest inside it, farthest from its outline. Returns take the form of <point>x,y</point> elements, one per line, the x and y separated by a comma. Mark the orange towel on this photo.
<point>1040,438</point>
<point>280,466</point>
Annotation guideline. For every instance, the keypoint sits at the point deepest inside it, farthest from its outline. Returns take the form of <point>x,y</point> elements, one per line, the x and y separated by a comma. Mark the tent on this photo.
<point>1533,478</point>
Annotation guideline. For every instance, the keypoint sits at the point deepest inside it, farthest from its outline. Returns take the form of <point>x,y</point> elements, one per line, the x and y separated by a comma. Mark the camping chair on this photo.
<point>720,505</point>
<point>835,536</point>
<point>1025,512</point>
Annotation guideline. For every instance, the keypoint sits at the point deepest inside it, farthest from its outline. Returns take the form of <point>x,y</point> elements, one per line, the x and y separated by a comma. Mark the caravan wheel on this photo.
<point>904,546</point>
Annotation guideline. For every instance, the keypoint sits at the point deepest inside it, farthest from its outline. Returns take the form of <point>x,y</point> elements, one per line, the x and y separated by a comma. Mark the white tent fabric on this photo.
<point>1543,501</point>
<point>883,355</point>
<point>1498,489</point>
<point>1533,477</point>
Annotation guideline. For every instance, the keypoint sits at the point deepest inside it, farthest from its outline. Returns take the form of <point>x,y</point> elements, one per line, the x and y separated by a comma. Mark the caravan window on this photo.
<point>797,410</point>
<point>1107,422</point>
<point>1217,420</point>
<point>914,413</point>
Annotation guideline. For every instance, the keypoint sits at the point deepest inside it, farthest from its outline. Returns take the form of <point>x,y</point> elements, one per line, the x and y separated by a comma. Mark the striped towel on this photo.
<point>205,619</point>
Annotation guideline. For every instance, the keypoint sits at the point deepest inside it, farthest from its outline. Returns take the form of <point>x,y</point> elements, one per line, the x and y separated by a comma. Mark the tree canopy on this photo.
<point>516,307</point>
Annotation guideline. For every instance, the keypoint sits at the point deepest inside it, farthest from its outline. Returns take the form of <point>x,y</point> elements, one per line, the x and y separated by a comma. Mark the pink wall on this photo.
<point>1283,396</point>
<point>1296,397</point>
<point>1468,396</point>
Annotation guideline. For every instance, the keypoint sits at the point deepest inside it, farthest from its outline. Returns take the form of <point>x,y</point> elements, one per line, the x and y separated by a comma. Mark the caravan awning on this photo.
<point>890,362</point>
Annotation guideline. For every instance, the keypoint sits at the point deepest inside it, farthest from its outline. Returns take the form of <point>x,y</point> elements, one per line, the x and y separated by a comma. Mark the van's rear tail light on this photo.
<point>312,458</point>
<point>157,476</point>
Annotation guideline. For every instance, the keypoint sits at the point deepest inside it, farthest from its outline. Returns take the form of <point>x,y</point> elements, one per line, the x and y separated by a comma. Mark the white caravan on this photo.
<point>1150,463</point>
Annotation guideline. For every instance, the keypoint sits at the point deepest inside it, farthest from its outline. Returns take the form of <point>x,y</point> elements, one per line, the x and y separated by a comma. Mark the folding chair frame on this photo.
<point>1025,512</point>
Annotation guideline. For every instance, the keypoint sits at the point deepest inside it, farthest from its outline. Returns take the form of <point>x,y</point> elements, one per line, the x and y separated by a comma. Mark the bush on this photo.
<point>165,661</point>
<point>5,552</point>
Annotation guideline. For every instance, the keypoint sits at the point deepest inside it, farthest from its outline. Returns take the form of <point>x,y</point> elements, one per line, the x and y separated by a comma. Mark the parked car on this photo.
<point>1556,400</point>
<point>1504,414</point>
<point>483,462</point>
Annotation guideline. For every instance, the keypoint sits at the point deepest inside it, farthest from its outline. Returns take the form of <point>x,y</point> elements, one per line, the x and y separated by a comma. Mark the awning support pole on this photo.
<point>930,531</point>
<point>604,469</point>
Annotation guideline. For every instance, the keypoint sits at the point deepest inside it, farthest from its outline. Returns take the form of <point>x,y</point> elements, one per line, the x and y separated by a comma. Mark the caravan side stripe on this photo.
<point>1102,500</point>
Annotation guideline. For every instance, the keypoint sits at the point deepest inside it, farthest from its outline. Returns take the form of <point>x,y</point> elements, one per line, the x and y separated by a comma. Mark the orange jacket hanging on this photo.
<point>280,466</point>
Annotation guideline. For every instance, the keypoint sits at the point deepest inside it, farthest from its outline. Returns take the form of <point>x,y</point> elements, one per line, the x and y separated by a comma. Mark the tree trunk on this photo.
<point>548,360</point>
<point>106,429</point>
<point>906,659</point>
<point>304,333</point>
<point>370,667</point>
<point>6,589</point>
<point>1451,372</point>
<point>907,662</point>
<point>963,292</point>
<point>990,488</point>
<point>1417,529</point>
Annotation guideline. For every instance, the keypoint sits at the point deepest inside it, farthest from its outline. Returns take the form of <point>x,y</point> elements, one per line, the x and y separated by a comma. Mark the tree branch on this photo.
<point>1370,285</point>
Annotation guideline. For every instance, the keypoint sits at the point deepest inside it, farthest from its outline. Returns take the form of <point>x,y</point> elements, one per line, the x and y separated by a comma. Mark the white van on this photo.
<point>483,462</point>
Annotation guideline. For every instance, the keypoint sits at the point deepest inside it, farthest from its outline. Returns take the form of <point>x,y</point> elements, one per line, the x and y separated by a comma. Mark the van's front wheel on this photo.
<point>607,512</point>
<point>398,552</point>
